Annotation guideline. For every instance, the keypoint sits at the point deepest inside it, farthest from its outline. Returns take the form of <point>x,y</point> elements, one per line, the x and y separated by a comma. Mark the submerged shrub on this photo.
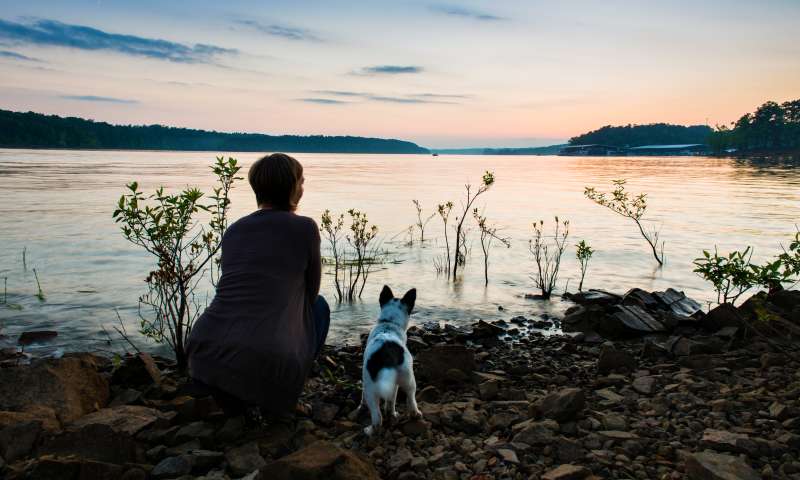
<point>620,202</point>
<point>353,253</point>
<point>488,235</point>
<point>547,254</point>
<point>460,250</point>
<point>583,253</point>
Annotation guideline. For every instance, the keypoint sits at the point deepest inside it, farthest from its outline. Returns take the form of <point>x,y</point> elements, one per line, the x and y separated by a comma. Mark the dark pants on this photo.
<point>322,321</point>
<point>233,406</point>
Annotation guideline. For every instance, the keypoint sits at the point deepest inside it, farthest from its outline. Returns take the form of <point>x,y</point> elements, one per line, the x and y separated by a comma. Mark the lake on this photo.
<point>56,207</point>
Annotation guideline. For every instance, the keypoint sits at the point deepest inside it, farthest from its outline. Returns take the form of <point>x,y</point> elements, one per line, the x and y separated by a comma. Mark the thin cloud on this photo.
<point>17,56</point>
<point>440,95</point>
<point>385,99</point>
<point>322,101</point>
<point>95,98</point>
<point>389,70</point>
<point>283,31</point>
<point>54,33</point>
<point>341,93</point>
<point>457,11</point>
<point>414,98</point>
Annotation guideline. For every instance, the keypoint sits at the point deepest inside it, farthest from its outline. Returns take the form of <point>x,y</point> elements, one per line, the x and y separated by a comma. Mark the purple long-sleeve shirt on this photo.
<point>256,341</point>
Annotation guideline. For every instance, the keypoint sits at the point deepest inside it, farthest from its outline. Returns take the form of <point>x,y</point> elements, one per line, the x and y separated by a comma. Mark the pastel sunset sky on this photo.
<point>449,74</point>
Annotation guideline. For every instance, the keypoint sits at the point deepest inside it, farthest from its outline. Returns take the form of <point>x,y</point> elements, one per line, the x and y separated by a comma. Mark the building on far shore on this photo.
<point>595,150</point>
<point>683,150</point>
<point>592,150</point>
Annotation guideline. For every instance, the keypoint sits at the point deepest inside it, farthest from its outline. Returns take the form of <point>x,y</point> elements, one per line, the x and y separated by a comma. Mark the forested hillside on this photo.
<point>639,135</point>
<point>34,130</point>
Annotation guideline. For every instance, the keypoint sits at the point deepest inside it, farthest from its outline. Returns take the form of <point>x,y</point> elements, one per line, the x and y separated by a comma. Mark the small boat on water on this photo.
<point>435,154</point>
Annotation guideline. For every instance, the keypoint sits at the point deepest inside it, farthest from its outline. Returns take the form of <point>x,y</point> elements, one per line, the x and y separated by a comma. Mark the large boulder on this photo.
<point>320,461</point>
<point>434,363</point>
<point>788,302</point>
<point>679,305</point>
<point>99,442</point>
<point>629,321</point>
<point>582,318</point>
<point>71,385</point>
<point>126,419</point>
<point>563,405</point>
<point>593,297</point>
<point>721,316</point>
<point>45,416</point>
<point>717,466</point>
<point>137,370</point>
<point>612,360</point>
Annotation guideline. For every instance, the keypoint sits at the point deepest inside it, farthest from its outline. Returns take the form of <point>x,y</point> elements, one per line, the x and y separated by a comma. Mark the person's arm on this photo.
<point>314,269</point>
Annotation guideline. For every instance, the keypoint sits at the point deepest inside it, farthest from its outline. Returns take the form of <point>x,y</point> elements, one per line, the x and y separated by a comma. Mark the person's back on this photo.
<point>257,340</point>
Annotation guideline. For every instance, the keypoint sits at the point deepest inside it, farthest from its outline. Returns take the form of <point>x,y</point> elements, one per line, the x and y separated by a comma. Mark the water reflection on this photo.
<point>58,205</point>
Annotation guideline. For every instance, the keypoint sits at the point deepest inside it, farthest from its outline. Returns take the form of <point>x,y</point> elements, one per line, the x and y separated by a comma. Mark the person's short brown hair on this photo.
<point>274,179</point>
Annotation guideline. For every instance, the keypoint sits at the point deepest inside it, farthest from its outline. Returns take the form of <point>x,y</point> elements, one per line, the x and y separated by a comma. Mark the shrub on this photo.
<point>547,255</point>
<point>444,210</point>
<point>734,274</point>
<point>488,235</point>
<point>354,258</point>
<point>634,208</point>
<point>731,275</point>
<point>583,253</point>
<point>165,225</point>
<point>421,224</point>
<point>460,252</point>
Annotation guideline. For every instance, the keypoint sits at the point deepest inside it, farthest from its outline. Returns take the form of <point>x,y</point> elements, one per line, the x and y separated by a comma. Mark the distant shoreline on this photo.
<point>217,152</point>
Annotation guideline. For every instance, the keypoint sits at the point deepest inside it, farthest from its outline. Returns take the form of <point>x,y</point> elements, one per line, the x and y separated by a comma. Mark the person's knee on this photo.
<point>321,305</point>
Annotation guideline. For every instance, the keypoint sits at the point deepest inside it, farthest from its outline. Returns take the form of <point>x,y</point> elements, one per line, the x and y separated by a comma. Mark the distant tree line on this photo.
<point>772,127</point>
<point>639,135</point>
<point>34,130</point>
<point>548,150</point>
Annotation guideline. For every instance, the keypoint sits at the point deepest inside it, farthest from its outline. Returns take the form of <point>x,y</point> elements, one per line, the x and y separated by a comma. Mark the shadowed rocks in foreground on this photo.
<point>500,400</point>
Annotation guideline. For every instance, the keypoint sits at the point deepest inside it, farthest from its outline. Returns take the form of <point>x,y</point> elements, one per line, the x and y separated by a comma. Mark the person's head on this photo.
<point>277,181</point>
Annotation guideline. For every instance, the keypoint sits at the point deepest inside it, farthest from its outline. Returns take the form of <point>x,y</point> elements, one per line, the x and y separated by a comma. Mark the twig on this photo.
<point>123,333</point>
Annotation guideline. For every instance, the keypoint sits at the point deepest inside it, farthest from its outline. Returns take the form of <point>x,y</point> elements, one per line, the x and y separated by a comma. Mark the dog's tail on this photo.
<point>386,383</point>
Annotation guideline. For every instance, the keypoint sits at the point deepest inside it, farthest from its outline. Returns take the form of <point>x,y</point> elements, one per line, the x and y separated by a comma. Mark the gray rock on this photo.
<point>563,405</point>
<point>567,472</point>
<point>717,466</point>
<point>244,459</point>
<point>172,467</point>
<point>18,440</point>
<point>645,385</point>
<point>611,360</point>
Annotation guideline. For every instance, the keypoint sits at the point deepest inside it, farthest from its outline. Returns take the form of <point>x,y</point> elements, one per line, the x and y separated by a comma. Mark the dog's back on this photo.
<point>382,365</point>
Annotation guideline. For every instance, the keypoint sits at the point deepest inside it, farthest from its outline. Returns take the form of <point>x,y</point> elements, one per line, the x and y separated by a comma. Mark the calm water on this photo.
<point>57,205</point>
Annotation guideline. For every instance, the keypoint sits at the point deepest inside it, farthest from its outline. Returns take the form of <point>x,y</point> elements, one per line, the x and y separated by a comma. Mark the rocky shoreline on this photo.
<point>649,389</point>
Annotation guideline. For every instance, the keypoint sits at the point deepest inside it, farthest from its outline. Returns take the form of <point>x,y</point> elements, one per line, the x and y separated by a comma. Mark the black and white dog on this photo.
<point>387,362</point>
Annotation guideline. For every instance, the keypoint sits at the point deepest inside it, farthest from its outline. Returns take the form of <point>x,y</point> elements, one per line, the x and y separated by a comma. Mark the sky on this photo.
<point>441,74</point>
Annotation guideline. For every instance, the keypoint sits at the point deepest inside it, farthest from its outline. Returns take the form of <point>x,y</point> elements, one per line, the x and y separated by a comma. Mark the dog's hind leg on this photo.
<point>374,405</point>
<point>409,386</point>
<point>390,404</point>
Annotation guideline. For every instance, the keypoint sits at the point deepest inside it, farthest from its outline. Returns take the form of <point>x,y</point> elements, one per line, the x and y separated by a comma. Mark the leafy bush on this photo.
<point>734,274</point>
<point>353,258</point>
<point>634,208</point>
<point>547,255</point>
<point>165,225</point>
<point>583,253</point>
<point>731,275</point>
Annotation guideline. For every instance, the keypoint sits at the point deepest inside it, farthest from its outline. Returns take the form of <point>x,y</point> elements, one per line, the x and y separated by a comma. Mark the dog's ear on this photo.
<point>409,298</point>
<point>386,295</point>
